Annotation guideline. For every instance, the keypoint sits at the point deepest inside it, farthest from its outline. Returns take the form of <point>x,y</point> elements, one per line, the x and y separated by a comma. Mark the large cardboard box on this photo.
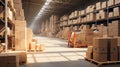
<point>100,49</point>
<point>100,57</point>
<point>114,56</point>
<point>105,42</point>
<point>117,1</point>
<point>111,2</point>
<point>116,11</point>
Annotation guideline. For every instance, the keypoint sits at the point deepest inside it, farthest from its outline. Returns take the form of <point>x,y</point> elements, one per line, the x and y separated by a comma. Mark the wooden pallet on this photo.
<point>102,63</point>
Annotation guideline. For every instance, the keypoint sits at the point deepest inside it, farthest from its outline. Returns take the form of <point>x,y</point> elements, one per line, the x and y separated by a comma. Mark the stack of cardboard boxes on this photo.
<point>104,49</point>
<point>20,35</point>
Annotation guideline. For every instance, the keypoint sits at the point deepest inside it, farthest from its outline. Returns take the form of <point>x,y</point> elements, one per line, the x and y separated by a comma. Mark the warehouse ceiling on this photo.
<point>45,8</point>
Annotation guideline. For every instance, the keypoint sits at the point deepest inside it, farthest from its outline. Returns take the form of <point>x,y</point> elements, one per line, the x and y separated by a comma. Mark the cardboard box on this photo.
<point>117,1</point>
<point>90,49</point>
<point>89,55</point>
<point>91,17</point>
<point>32,45</point>
<point>100,42</point>
<point>98,5</point>
<point>100,49</point>
<point>111,2</point>
<point>116,28</point>
<point>111,14</point>
<point>105,42</point>
<point>114,56</point>
<point>104,4</point>
<point>116,11</point>
<point>102,14</point>
<point>100,57</point>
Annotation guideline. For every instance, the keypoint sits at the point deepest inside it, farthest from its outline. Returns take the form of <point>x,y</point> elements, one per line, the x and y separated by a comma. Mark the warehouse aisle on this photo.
<point>57,54</point>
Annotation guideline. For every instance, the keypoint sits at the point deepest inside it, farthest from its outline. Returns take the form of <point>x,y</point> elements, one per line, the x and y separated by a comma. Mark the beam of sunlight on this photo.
<point>39,15</point>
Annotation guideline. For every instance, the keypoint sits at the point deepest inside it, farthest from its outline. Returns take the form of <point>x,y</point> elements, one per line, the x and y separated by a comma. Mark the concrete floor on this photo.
<point>57,54</point>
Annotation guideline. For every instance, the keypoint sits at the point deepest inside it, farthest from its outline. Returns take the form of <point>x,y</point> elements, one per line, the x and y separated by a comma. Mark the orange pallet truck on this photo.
<point>72,40</point>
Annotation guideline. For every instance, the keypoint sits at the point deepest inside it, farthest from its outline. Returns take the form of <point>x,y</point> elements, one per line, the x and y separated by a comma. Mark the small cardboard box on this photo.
<point>104,4</point>
<point>116,11</point>
<point>111,2</point>
<point>110,14</point>
<point>98,5</point>
<point>117,1</point>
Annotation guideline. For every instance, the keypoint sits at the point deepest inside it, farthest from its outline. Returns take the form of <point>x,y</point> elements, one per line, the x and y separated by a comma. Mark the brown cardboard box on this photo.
<point>90,49</point>
<point>91,17</point>
<point>114,49</point>
<point>89,55</point>
<point>100,49</point>
<point>116,28</point>
<point>111,2</point>
<point>100,57</point>
<point>110,14</point>
<point>114,56</point>
<point>100,42</point>
<point>117,1</point>
<point>104,4</point>
<point>98,5</point>
<point>103,42</point>
<point>116,11</point>
<point>102,14</point>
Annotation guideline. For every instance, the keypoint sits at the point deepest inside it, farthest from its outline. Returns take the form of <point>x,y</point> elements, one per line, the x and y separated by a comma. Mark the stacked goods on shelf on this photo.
<point>20,35</point>
<point>105,47</point>
<point>9,60</point>
<point>29,37</point>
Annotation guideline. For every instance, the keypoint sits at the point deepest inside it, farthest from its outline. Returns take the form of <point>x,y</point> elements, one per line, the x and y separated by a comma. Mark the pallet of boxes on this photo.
<point>104,51</point>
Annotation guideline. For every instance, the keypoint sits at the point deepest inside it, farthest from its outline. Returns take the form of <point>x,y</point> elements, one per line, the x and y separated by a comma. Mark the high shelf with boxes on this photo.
<point>7,13</point>
<point>103,15</point>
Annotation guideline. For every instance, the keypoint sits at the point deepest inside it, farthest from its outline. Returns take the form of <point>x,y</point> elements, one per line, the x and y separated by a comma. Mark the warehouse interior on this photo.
<point>59,33</point>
